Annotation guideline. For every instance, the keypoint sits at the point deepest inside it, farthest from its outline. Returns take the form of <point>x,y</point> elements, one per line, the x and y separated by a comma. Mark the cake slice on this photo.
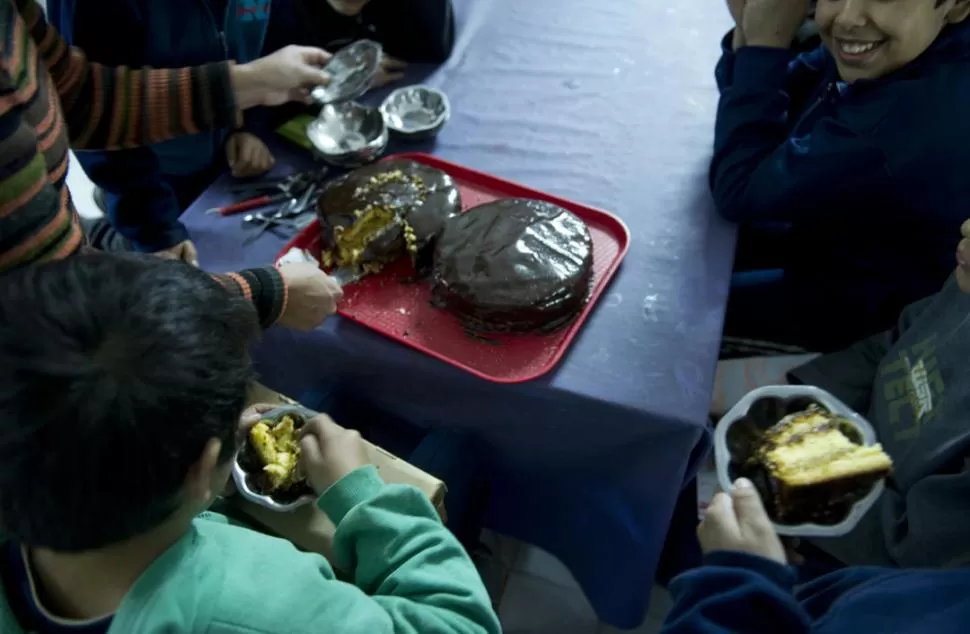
<point>278,451</point>
<point>817,468</point>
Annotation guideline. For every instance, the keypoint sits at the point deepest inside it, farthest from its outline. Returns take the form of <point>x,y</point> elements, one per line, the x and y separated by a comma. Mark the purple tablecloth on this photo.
<point>610,103</point>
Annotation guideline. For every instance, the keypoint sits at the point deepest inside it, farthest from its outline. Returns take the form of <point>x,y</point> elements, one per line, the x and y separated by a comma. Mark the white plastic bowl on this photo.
<point>722,455</point>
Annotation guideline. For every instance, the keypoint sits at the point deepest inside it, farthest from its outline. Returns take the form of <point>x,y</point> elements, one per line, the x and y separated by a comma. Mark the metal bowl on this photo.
<point>239,475</point>
<point>351,71</point>
<point>416,112</point>
<point>348,135</point>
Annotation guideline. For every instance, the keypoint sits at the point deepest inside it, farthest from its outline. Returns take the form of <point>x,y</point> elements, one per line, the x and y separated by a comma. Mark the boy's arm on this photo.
<point>849,374</point>
<point>401,555</point>
<point>146,210</point>
<point>109,108</point>
<point>759,171</point>
<point>738,594</point>
<point>265,287</point>
<point>927,526</point>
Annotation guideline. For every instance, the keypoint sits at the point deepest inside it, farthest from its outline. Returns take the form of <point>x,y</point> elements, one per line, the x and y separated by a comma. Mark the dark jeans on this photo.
<point>102,234</point>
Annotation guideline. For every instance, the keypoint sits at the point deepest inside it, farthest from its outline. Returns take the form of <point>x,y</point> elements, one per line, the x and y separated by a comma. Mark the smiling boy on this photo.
<point>844,166</point>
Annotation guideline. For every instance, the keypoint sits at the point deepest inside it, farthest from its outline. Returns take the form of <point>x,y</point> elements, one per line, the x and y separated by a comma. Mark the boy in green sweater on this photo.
<point>121,395</point>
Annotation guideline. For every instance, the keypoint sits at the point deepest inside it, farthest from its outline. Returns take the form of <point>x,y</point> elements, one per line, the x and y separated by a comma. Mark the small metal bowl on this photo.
<point>242,477</point>
<point>416,112</point>
<point>351,71</point>
<point>348,135</point>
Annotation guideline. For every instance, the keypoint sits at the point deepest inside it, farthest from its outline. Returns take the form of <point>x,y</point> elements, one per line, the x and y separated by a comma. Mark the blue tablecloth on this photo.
<point>610,103</point>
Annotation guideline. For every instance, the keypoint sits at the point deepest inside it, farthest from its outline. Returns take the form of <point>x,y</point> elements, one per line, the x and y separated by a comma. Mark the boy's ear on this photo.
<point>198,481</point>
<point>958,12</point>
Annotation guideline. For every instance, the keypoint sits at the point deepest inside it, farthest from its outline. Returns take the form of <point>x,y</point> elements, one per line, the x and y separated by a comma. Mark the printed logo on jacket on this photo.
<point>253,10</point>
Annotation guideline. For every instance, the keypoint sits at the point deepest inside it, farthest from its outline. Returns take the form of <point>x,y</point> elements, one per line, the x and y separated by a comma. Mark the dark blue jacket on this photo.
<point>873,177</point>
<point>411,30</point>
<point>143,185</point>
<point>742,594</point>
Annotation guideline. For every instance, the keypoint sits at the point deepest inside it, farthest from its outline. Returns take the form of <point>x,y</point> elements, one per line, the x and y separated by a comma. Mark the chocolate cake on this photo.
<point>376,214</point>
<point>514,265</point>
<point>816,468</point>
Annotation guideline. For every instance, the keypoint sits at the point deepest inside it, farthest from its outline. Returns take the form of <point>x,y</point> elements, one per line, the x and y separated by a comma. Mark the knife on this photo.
<point>346,275</point>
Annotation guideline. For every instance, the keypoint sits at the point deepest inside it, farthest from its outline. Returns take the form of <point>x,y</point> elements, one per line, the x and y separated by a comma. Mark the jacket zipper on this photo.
<point>830,90</point>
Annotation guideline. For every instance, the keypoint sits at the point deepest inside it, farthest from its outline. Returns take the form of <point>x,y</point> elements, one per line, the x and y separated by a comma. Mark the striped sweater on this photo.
<point>53,98</point>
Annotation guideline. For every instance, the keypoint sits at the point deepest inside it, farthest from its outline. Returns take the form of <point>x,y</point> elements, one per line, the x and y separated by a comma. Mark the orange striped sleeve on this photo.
<point>103,106</point>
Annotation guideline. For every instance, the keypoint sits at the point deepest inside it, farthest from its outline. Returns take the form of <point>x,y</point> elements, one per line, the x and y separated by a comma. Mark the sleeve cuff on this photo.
<point>761,68</point>
<point>782,575</point>
<point>267,290</point>
<point>355,488</point>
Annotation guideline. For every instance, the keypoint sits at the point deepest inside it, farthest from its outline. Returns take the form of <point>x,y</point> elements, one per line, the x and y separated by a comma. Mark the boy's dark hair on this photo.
<point>114,373</point>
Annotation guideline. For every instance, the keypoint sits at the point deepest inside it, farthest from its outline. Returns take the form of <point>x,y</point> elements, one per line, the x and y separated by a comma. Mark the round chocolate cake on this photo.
<point>514,266</point>
<point>378,213</point>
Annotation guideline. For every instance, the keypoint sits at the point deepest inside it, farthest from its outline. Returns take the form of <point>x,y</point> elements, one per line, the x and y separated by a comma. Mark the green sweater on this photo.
<point>410,575</point>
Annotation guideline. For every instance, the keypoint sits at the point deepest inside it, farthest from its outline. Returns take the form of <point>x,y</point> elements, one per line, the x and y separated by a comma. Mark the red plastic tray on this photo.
<point>401,310</point>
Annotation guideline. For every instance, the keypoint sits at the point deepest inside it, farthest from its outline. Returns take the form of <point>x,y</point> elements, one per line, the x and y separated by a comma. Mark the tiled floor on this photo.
<point>540,596</point>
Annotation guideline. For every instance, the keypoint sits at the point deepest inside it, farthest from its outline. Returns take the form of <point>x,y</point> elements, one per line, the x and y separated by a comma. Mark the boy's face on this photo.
<point>348,7</point>
<point>872,38</point>
<point>963,259</point>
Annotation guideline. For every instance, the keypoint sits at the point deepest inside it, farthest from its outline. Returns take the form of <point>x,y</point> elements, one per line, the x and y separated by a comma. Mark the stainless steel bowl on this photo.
<point>351,71</point>
<point>348,135</point>
<point>239,474</point>
<point>416,112</point>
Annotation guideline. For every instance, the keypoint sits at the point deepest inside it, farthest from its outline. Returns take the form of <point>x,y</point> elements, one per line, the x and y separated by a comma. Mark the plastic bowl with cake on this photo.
<point>816,463</point>
<point>266,467</point>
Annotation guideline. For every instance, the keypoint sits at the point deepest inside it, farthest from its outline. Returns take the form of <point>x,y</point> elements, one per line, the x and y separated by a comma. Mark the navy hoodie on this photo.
<point>872,178</point>
<point>143,201</point>
<point>742,594</point>
<point>411,30</point>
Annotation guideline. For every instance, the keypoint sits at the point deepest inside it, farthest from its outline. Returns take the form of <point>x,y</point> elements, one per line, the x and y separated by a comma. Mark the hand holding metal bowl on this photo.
<point>247,468</point>
<point>351,70</point>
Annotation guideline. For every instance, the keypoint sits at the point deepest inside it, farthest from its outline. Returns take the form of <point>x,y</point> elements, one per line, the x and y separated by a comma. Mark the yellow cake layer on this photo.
<point>810,448</point>
<point>352,241</point>
<point>278,450</point>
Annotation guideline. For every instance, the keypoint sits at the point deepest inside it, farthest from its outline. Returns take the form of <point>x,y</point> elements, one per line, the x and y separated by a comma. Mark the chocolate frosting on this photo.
<point>514,265</point>
<point>421,195</point>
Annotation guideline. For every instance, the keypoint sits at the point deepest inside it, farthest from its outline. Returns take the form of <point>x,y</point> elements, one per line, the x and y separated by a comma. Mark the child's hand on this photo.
<point>773,23</point>
<point>738,522</point>
<point>328,452</point>
<point>312,295</point>
<point>248,156</point>
<point>391,70</point>
<point>250,416</point>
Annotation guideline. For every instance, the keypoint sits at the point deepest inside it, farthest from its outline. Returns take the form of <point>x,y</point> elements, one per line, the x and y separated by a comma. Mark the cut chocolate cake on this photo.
<point>817,468</point>
<point>378,213</point>
<point>514,265</point>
